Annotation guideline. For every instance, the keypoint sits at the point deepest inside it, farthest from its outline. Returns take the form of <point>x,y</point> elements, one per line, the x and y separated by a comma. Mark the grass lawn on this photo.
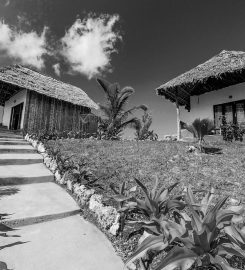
<point>118,161</point>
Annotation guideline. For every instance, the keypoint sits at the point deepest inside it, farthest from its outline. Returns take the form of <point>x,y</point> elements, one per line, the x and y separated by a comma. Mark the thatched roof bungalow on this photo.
<point>193,88</point>
<point>33,101</point>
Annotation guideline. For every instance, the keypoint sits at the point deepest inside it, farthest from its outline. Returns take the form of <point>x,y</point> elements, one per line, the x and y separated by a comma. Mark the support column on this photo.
<point>178,117</point>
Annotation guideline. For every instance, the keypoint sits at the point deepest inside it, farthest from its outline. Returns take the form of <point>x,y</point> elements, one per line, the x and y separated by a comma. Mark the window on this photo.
<point>234,112</point>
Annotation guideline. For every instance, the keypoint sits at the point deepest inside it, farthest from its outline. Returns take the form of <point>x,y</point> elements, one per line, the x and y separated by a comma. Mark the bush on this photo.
<point>231,131</point>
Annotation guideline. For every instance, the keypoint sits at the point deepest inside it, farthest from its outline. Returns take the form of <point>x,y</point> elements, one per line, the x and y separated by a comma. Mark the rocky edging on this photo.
<point>107,216</point>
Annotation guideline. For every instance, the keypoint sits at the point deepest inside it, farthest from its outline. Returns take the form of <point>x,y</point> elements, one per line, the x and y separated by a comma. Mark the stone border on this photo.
<point>107,216</point>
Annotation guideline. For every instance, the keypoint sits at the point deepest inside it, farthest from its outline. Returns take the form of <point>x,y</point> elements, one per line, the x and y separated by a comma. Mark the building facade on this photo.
<point>228,102</point>
<point>34,102</point>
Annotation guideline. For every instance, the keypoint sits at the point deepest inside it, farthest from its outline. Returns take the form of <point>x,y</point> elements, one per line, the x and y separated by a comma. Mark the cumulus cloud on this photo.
<point>56,68</point>
<point>88,44</point>
<point>27,48</point>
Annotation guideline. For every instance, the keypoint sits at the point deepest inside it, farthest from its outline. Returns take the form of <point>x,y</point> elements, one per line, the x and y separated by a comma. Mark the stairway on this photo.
<point>51,233</point>
<point>19,161</point>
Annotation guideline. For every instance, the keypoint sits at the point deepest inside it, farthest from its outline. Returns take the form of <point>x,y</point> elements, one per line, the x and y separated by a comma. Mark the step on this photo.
<point>12,139</point>
<point>17,149</point>
<point>21,151</point>
<point>10,136</point>
<point>12,142</point>
<point>24,174</point>
<point>20,159</point>
<point>26,203</point>
<point>69,243</point>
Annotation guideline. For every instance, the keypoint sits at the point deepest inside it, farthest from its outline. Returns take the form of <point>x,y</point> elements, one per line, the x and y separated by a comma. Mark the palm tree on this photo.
<point>116,115</point>
<point>142,128</point>
<point>199,128</point>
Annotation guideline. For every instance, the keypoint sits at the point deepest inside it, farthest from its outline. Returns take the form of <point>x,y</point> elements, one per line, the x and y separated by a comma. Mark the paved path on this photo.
<point>46,219</point>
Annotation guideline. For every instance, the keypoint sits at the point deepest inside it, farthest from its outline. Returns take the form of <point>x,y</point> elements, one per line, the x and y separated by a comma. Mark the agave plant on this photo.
<point>207,236</point>
<point>165,232</point>
<point>83,175</point>
<point>156,203</point>
<point>117,117</point>
<point>121,196</point>
<point>207,239</point>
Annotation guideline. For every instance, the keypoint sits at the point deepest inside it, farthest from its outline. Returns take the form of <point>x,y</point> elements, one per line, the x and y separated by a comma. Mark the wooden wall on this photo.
<point>50,114</point>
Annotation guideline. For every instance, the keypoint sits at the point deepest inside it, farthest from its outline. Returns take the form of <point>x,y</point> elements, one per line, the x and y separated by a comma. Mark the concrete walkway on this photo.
<point>51,233</point>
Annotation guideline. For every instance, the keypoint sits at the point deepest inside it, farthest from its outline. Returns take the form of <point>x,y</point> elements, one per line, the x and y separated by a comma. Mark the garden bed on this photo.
<point>117,161</point>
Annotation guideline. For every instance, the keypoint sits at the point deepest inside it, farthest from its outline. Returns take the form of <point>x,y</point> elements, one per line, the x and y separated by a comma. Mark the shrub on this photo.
<point>231,131</point>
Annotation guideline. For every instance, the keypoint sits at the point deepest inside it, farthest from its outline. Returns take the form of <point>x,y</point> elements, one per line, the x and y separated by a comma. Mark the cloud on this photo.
<point>88,44</point>
<point>56,68</point>
<point>26,48</point>
<point>7,3</point>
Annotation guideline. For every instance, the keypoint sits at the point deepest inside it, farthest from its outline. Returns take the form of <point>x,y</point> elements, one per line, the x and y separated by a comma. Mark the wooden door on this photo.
<point>16,116</point>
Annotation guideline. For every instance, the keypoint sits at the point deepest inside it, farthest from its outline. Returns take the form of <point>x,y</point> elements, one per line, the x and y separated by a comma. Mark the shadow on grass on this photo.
<point>212,150</point>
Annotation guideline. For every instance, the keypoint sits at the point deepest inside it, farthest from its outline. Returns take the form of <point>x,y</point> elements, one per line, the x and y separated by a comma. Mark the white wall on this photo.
<point>1,114</point>
<point>202,106</point>
<point>13,101</point>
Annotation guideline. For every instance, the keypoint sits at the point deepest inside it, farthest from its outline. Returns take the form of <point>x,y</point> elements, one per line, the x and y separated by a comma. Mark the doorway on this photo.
<point>16,115</point>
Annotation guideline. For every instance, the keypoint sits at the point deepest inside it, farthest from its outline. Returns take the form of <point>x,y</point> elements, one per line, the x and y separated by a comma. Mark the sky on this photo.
<point>138,43</point>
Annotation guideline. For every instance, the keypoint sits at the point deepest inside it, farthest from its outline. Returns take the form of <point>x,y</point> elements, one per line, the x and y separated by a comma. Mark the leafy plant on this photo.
<point>116,116</point>
<point>121,196</point>
<point>200,128</point>
<point>83,175</point>
<point>207,240</point>
<point>208,235</point>
<point>155,205</point>
<point>142,128</point>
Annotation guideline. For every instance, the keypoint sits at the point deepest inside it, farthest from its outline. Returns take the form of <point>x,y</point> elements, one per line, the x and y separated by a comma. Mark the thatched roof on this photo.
<point>225,69</point>
<point>15,78</point>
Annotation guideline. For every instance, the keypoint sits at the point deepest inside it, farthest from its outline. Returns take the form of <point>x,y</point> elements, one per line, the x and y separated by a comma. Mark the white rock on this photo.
<point>106,214</point>
<point>47,161</point>
<point>85,194</point>
<point>57,176</point>
<point>192,149</point>
<point>53,166</point>
<point>95,202</point>
<point>63,180</point>
<point>41,148</point>
<point>44,154</point>
<point>69,185</point>
<point>34,144</point>
<point>76,189</point>
<point>115,226</point>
